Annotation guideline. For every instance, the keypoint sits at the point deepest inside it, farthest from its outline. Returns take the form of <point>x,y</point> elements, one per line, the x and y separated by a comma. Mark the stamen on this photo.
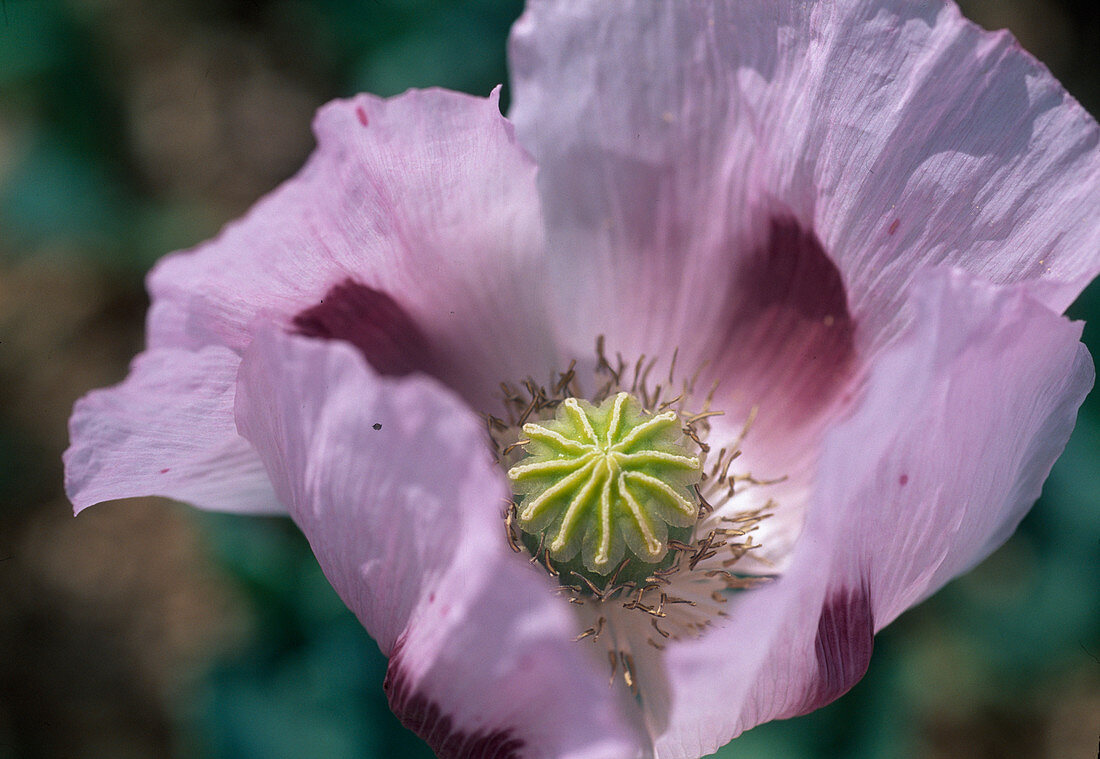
<point>637,371</point>
<point>604,364</point>
<point>548,565</point>
<point>566,378</point>
<point>704,504</point>
<point>628,671</point>
<point>518,444</point>
<point>509,518</point>
<point>593,631</point>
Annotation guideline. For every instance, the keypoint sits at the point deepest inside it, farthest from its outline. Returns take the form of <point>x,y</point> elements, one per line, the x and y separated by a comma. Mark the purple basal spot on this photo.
<point>374,323</point>
<point>845,637</point>
<point>793,270</point>
<point>792,317</point>
<point>426,719</point>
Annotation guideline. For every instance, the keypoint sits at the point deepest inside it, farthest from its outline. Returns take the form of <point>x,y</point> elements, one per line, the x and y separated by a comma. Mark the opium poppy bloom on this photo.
<point>624,422</point>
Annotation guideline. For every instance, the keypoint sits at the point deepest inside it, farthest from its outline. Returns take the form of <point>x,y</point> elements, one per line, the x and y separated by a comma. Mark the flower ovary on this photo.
<point>601,484</point>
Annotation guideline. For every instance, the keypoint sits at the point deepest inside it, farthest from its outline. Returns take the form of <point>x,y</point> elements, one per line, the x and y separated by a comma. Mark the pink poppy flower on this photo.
<point>480,361</point>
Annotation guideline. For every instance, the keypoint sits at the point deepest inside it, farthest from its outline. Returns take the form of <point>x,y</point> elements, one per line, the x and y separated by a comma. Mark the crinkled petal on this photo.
<point>393,484</point>
<point>167,430</point>
<point>671,136</point>
<point>629,113</point>
<point>976,428</point>
<point>960,423</point>
<point>936,142</point>
<point>413,232</point>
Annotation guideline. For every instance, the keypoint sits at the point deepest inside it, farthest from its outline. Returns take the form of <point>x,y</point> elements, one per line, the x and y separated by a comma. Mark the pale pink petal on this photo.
<point>630,112</point>
<point>960,423</point>
<point>167,430</point>
<point>928,140</point>
<point>672,136</point>
<point>976,428</point>
<point>414,232</point>
<point>393,483</point>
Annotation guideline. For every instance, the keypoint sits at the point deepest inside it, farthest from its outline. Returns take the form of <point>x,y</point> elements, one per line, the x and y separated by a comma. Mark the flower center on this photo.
<point>605,482</point>
<point>618,494</point>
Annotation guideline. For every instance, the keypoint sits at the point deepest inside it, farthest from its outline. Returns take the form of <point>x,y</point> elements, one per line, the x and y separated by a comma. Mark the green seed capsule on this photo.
<point>606,482</point>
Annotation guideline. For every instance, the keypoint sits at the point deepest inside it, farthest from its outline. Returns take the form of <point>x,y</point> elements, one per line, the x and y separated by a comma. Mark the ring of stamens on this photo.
<point>685,591</point>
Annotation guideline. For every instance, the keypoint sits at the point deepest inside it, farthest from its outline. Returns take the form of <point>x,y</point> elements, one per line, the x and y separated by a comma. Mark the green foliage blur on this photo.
<point>129,128</point>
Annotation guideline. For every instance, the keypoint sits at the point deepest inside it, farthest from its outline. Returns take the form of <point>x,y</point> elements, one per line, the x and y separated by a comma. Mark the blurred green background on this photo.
<point>129,128</point>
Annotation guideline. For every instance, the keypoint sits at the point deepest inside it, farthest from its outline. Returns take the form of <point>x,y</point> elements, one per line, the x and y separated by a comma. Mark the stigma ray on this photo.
<point>618,471</point>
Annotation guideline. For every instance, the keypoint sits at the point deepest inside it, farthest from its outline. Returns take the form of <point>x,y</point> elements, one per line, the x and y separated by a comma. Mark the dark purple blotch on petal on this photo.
<point>845,637</point>
<point>790,335</point>
<point>427,720</point>
<point>374,323</point>
<point>793,270</point>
